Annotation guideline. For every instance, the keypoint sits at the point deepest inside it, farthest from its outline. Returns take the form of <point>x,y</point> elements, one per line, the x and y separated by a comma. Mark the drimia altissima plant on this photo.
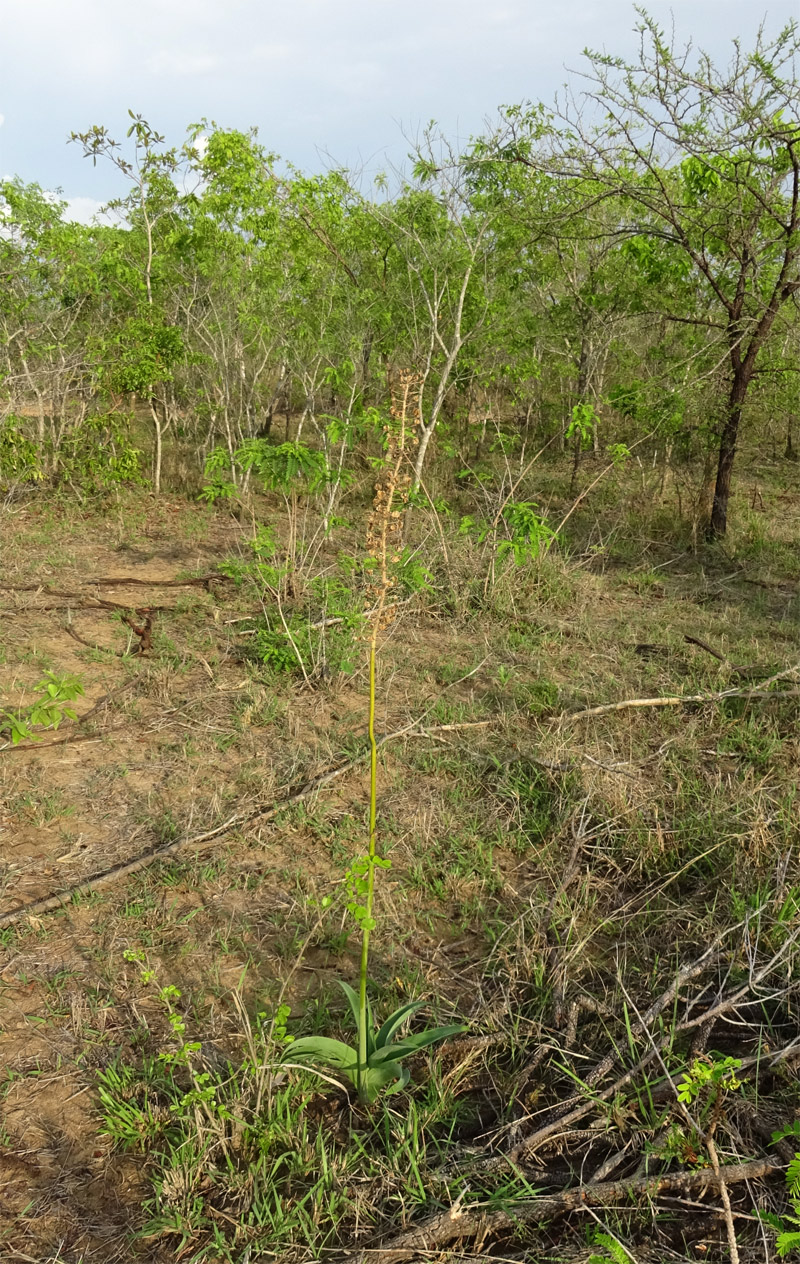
<point>376,1063</point>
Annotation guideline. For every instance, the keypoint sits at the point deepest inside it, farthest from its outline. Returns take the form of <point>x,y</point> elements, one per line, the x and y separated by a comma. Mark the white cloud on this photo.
<point>272,53</point>
<point>85,210</point>
<point>315,77</point>
<point>2,119</point>
<point>180,63</point>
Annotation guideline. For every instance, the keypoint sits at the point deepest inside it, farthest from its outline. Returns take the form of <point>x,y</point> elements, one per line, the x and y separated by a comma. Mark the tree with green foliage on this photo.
<point>622,270</point>
<point>234,273</point>
<point>703,168</point>
<point>438,277</point>
<point>147,344</point>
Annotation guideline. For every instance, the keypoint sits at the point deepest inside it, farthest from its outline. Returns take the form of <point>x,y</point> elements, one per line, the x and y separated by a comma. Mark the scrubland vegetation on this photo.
<point>400,688</point>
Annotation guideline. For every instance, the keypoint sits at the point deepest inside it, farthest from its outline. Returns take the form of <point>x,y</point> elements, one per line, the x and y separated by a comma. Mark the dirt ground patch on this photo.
<point>482,801</point>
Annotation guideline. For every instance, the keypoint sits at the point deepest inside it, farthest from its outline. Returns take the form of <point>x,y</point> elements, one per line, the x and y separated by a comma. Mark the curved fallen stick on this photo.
<point>459,1222</point>
<point>678,701</point>
<point>95,881</point>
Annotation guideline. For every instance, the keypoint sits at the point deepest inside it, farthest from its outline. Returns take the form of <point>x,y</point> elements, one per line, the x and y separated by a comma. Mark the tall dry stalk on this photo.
<point>384,542</point>
<point>375,1063</point>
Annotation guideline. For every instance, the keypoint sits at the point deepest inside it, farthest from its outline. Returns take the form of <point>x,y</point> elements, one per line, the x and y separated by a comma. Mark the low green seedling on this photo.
<point>717,1074</point>
<point>788,1226</point>
<point>616,1251</point>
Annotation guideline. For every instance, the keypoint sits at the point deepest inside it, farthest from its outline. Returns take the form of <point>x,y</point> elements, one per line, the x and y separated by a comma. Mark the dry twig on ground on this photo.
<point>679,701</point>
<point>459,1222</point>
<point>260,815</point>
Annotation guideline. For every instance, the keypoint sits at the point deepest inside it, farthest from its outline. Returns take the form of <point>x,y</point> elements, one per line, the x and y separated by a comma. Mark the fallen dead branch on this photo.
<point>103,702</point>
<point>459,1222</point>
<point>68,740</point>
<point>751,670</point>
<point>127,581</point>
<point>118,581</point>
<point>566,1116</point>
<point>82,601</point>
<point>451,728</point>
<point>683,700</point>
<point>559,1126</point>
<point>568,1113</point>
<point>98,649</point>
<point>262,815</point>
<point>144,632</point>
<point>331,622</point>
<point>722,1185</point>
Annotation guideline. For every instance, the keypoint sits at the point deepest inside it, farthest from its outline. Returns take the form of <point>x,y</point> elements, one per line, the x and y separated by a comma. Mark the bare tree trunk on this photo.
<point>265,429</point>
<point>231,445</point>
<point>727,452</point>
<point>583,386</point>
<point>665,467</point>
<point>424,439</point>
<point>307,412</point>
<point>576,460</point>
<point>157,457</point>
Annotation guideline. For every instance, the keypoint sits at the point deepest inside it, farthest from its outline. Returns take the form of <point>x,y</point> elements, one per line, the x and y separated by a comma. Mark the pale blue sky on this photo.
<point>342,78</point>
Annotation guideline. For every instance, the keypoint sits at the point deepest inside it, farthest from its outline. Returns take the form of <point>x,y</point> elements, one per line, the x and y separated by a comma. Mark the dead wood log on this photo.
<point>120,581</point>
<point>683,700</point>
<point>459,1222</point>
<point>262,815</point>
<point>751,671</point>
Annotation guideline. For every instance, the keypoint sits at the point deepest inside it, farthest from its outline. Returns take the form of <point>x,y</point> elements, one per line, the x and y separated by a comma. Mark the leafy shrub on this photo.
<point>98,454</point>
<point>94,455</point>
<point>20,459</point>
<point>788,1239</point>
<point>412,573</point>
<point>527,537</point>
<point>528,533</point>
<point>319,640</point>
<point>288,468</point>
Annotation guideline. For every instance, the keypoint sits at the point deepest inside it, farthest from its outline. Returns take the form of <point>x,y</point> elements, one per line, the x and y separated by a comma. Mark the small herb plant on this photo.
<point>582,424</point>
<point>788,1226</point>
<point>707,1080</point>
<point>55,693</point>
<point>528,533</point>
<point>617,1253</point>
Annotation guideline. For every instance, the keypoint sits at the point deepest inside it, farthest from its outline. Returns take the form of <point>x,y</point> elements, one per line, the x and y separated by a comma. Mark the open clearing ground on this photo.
<point>603,899</point>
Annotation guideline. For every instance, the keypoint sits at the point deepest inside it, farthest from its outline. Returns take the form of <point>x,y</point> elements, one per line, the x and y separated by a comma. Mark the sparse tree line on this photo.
<point>621,273</point>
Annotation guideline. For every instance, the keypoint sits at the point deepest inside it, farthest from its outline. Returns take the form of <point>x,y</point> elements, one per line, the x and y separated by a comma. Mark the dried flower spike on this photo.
<point>385,525</point>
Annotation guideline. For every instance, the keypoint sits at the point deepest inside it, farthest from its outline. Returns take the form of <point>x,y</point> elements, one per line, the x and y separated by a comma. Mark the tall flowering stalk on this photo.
<point>376,1063</point>
<point>384,542</point>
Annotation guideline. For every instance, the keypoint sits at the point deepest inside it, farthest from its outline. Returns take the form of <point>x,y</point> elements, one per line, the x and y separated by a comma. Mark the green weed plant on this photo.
<point>52,705</point>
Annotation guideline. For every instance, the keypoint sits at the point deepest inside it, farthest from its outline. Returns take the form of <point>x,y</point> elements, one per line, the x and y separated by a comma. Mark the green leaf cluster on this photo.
<point>384,1070</point>
<point>55,693</point>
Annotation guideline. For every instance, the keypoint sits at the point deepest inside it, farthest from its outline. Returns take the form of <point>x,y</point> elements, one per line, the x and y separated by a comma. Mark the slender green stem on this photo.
<point>367,924</point>
<point>383,541</point>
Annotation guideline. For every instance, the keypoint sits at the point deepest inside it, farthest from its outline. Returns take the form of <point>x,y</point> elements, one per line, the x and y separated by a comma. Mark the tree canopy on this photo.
<point>623,268</point>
